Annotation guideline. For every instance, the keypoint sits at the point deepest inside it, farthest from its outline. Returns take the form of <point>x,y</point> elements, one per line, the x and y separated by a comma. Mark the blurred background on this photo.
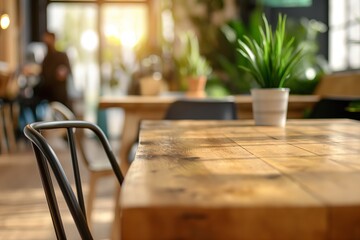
<point>112,44</point>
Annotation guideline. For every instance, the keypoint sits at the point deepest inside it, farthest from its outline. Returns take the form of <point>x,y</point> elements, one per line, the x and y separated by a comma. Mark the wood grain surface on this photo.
<point>234,180</point>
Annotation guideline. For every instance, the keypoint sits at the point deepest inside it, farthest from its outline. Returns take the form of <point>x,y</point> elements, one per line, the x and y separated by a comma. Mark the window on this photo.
<point>124,30</point>
<point>344,35</point>
<point>99,48</point>
<point>75,26</point>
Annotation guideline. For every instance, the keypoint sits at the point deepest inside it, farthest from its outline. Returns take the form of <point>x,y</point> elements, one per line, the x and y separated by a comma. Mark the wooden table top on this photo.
<point>137,108</point>
<point>234,180</point>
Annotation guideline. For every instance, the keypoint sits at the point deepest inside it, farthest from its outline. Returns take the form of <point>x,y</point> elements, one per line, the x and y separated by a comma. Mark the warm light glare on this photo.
<point>112,34</point>
<point>128,38</point>
<point>89,40</point>
<point>4,21</point>
<point>125,26</point>
<point>111,31</point>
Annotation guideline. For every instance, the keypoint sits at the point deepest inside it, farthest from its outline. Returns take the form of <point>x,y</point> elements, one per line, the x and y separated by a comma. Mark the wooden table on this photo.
<point>137,108</point>
<point>234,180</point>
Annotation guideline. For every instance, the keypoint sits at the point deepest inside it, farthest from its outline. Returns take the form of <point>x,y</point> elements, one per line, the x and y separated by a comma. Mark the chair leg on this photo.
<point>9,128</point>
<point>3,146</point>
<point>115,229</point>
<point>90,198</point>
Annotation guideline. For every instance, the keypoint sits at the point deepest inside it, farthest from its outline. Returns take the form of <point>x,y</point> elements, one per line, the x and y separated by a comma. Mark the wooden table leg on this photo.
<point>130,132</point>
<point>128,138</point>
<point>115,228</point>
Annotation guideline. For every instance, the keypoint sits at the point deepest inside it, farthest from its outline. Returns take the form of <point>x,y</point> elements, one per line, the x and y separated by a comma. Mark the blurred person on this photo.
<point>55,73</point>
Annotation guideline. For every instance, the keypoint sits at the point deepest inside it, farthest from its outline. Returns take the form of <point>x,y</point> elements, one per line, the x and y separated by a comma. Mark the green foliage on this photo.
<point>354,107</point>
<point>312,65</point>
<point>215,88</point>
<point>271,60</point>
<point>236,79</point>
<point>191,63</point>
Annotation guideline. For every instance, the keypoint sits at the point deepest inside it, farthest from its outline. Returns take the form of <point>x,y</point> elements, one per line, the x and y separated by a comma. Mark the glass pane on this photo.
<point>344,33</point>
<point>337,35</point>
<point>76,31</point>
<point>337,15</point>
<point>354,35</point>
<point>124,30</point>
<point>337,54</point>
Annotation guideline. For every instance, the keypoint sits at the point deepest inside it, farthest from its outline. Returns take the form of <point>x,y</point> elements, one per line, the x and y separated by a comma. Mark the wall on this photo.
<point>319,10</point>
<point>9,37</point>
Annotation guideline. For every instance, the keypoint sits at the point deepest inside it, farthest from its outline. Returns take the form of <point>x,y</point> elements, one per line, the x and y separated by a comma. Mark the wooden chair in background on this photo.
<point>8,114</point>
<point>338,92</point>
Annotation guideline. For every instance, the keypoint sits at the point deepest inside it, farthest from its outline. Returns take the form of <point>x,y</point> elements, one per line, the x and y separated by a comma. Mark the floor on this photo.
<point>24,213</point>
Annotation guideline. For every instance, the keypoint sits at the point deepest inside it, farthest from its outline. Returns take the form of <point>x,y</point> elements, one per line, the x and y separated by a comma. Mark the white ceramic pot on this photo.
<point>270,106</point>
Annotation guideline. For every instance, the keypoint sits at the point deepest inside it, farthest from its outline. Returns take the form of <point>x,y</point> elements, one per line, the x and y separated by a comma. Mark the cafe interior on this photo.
<point>161,136</point>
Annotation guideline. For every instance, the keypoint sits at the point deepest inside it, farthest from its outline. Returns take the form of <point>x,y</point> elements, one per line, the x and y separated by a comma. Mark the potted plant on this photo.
<point>193,68</point>
<point>272,62</point>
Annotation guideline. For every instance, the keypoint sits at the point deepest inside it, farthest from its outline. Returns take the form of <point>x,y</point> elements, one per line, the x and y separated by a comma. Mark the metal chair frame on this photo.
<point>97,169</point>
<point>46,156</point>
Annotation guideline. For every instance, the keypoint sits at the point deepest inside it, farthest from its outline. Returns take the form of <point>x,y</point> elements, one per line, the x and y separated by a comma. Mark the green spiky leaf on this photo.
<point>271,60</point>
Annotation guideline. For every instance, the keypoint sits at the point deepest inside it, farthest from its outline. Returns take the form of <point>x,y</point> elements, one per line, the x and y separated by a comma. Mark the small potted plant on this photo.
<point>193,68</point>
<point>272,62</point>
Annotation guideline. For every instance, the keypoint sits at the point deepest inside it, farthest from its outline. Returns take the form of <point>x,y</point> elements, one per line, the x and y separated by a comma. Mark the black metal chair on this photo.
<point>335,108</point>
<point>196,109</point>
<point>202,109</point>
<point>47,159</point>
<point>97,168</point>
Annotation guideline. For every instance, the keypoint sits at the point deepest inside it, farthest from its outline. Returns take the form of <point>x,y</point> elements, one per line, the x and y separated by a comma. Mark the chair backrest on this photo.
<point>59,112</point>
<point>202,109</point>
<point>48,161</point>
<point>9,88</point>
